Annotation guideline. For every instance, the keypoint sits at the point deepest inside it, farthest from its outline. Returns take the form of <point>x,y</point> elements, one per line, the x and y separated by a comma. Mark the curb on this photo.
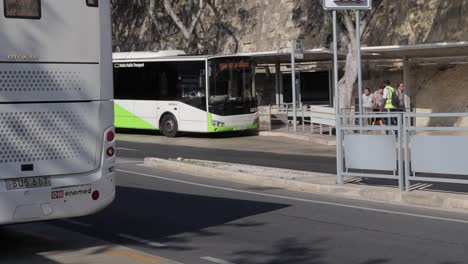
<point>429,199</point>
<point>313,139</point>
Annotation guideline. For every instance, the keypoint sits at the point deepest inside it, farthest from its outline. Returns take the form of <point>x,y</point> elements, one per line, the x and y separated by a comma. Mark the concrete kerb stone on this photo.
<point>317,139</point>
<point>429,199</point>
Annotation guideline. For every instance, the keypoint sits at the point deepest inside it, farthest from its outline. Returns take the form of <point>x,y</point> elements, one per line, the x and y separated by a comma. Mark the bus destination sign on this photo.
<point>347,4</point>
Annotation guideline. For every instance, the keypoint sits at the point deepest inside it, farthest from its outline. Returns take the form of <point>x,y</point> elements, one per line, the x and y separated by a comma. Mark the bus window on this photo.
<point>134,81</point>
<point>231,86</point>
<point>27,9</point>
<point>191,84</point>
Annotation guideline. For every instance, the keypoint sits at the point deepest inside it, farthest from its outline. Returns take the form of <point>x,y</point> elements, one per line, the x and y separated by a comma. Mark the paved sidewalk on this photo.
<point>301,136</point>
<point>312,182</point>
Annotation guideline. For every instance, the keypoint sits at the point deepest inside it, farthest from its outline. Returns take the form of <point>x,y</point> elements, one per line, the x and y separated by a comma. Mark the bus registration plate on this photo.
<point>27,183</point>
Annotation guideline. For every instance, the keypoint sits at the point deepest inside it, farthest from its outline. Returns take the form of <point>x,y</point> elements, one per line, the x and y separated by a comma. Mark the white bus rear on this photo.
<point>56,109</point>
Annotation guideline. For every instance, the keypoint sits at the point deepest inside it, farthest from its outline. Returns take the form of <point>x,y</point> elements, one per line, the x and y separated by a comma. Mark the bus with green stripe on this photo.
<point>173,92</point>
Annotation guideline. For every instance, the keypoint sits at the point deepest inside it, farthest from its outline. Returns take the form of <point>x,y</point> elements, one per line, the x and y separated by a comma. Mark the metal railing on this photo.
<point>369,151</point>
<point>284,111</point>
<point>402,149</point>
<point>307,115</point>
<point>436,150</point>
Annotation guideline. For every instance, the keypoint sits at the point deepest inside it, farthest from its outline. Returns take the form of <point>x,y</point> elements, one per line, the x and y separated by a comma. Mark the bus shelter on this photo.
<point>313,81</point>
<point>413,146</point>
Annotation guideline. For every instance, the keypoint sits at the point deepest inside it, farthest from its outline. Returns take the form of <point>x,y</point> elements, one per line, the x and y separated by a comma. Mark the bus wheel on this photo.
<point>169,126</point>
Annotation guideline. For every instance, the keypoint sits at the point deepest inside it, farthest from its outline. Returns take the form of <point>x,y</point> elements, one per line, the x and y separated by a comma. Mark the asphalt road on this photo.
<point>314,163</point>
<point>195,220</point>
<point>163,217</point>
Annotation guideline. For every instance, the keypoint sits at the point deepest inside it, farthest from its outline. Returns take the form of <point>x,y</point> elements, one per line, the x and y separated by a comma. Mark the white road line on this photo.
<point>300,199</point>
<point>74,222</point>
<point>141,240</point>
<point>128,149</point>
<point>215,260</point>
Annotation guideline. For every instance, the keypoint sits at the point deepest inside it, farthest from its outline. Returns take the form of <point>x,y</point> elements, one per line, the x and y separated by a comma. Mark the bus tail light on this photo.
<point>110,136</point>
<point>110,151</point>
<point>95,195</point>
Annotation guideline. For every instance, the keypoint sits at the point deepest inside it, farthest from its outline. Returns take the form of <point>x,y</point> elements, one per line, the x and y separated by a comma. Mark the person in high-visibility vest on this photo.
<point>388,93</point>
<point>387,103</point>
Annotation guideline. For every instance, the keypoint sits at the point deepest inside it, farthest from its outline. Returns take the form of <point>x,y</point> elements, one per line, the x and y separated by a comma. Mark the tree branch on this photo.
<point>350,28</point>
<point>365,22</point>
<point>187,32</point>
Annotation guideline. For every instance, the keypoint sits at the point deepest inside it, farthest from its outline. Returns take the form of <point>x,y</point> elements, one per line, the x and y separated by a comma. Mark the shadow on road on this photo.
<point>293,251</point>
<point>40,243</point>
<point>163,216</point>
<point>289,251</point>
<point>16,247</point>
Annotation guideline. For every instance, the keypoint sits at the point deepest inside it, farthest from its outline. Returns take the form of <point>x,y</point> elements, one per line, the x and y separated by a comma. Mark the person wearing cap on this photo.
<point>378,100</point>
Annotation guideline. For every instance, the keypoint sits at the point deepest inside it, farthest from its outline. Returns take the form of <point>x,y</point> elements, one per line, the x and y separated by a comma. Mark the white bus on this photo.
<point>56,113</point>
<point>172,92</point>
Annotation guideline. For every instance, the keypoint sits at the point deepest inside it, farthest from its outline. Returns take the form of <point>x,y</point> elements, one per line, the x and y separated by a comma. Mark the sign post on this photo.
<point>347,4</point>
<point>297,52</point>
<point>335,5</point>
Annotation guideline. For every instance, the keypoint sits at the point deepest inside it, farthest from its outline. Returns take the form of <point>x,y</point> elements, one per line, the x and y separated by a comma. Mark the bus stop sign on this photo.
<point>347,4</point>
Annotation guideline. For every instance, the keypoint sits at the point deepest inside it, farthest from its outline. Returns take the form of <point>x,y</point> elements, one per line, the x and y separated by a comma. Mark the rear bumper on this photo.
<point>62,200</point>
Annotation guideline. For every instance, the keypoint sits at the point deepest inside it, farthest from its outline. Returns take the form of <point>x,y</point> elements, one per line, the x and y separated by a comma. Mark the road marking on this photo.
<point>215,260</point>
<point>301,199</point>
<point>132,256</point>
<point>74,222</point>
<point>127,149</point>
<point>141,240</point>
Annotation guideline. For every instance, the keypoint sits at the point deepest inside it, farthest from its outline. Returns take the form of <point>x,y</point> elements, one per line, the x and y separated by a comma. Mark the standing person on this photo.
<point>378,100</point>
<point>389,105</point>
<point>367,104</point>
<point>403,98</point>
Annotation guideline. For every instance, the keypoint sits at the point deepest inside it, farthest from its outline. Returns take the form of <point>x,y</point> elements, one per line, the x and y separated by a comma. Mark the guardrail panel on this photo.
<point>439,154</point>
<point>370,152</point>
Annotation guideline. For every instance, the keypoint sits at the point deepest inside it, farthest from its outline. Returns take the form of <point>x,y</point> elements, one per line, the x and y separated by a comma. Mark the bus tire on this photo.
<point>169,126</point>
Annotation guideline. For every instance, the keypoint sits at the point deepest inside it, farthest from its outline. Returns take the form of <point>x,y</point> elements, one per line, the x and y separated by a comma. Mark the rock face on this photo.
<point>227,26</point>
<point>236,26</point>
<point>441,89</point>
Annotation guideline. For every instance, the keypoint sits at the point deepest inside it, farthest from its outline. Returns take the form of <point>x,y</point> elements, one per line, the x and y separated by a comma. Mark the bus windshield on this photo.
<point>231,87</point>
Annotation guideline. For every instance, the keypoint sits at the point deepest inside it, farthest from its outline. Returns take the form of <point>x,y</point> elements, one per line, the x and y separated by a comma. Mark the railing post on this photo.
<point>303,121</point>
<point>407,152</point>
<point>400,152</point>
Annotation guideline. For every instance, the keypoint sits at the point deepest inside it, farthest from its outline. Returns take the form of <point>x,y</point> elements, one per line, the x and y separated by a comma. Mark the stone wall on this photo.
<point>441,89</point>
<point>227,26</point>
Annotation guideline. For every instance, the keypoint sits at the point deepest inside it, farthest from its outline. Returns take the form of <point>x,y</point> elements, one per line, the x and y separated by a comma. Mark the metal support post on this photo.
<point>401,177</point>
<point>277,82</point>
<point>406,81</point>
<point>293,77</point>
<point>358,53</point>
<point>339,144</point>
<point>407,153</point>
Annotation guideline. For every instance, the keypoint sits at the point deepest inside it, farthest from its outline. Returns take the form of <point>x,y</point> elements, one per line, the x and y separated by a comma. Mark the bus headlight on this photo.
<point>218,123</point>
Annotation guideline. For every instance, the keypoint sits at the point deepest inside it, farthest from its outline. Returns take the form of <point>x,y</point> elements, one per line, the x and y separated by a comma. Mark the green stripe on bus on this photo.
<point>217,129</point>
<point>126,119</point>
